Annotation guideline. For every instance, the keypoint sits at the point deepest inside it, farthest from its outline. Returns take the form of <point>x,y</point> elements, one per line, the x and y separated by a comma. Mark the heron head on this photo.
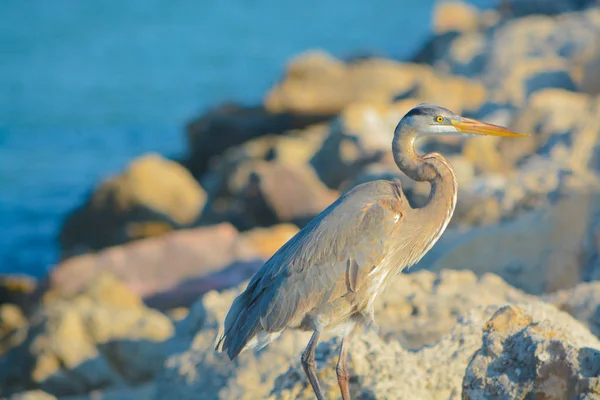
<point>431,120</point>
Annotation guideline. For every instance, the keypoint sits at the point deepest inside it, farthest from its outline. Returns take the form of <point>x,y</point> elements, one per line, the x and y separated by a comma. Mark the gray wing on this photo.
<point>322,263</point>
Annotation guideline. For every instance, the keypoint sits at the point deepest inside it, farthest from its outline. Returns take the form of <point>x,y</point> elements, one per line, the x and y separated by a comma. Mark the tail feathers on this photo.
<point>241,326</point>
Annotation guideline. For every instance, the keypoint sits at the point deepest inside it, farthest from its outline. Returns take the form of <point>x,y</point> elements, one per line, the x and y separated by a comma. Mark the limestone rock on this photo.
<point>582,302</point>
<point>151,197</point>
<point>517,57</point>
<point>381,369</point>
<point>273,192</point>
<point>12,326</point>
<point>588,81</point>
<point>268,240</point>
<point>515,85</point>
<point>521,359</point>
<point>419,309</point>
<point>194,370</point>
<point>16,289</point>
<point>454,16</point>
<point>424,306</point>
<point>32,395</point>
<point>566,129</point>
<point>538,252</point>
<point>155,268</point>
<point>464,55</point>
<point>223,181</point>
<point>315,82</point>
<point>361,135</point>
<point>101,337</point>
<point>230,125</point>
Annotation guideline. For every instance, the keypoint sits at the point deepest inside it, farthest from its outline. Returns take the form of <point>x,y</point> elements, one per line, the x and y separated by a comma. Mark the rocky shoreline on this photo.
<point>507,305</point>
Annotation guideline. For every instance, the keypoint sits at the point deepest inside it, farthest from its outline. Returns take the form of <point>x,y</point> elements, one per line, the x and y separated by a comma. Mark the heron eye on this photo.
<point>439,119</point>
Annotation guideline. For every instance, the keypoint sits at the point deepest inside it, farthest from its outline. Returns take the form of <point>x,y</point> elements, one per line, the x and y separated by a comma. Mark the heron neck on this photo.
<point>432,168</point>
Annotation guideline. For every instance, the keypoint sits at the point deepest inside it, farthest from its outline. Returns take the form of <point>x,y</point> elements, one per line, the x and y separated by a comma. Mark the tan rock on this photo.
<point>315,68</point>
<point>361,135</point>
<point>422,307</point>
<point>381,369</point>
<point>582,302</point>
<point>454,16</point>
<point>13,326</point>
<point>16,289</point>
<point>419,308</point>
<point>89,341</point>
<point>520,358</point>
<point>528,76</point>
<point>293,148</point>
<point>157,265</point>
<point>11,318</point>
<point>537,252</point>
<point>552,110</point>
<point>465,54</point>
<point>268,240</point>
<point>220,128</point>
<point>32,395</point>
<point>588,81</point>
<point>193,369</point>
<point>318,83</point>
<point>273,192</point>
<point>152,196</point>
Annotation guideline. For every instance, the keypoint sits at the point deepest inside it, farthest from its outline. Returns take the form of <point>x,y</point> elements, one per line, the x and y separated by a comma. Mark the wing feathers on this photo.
<point>327,259</point>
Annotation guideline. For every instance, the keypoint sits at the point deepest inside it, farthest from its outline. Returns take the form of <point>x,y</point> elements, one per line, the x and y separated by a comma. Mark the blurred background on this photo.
<point>88,87</point>
<point>152,152</point>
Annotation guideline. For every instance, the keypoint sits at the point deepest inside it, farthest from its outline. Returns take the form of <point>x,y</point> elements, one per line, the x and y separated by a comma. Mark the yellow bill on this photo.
<point>472,126</point>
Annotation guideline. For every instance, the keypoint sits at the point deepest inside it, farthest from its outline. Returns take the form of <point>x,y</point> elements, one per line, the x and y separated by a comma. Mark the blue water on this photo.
<point>87,86</point>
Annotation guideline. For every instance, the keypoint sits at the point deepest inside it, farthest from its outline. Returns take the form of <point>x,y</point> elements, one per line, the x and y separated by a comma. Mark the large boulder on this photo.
<point>273,192</point>
<point>381,369</point>
<point>103,336</point>
<point>267,241</point>
<point>12,326</point>
<point>424,306</point>
<point>564,128</point>
<point>155,268</point>
<point>517,57</point>
<point>418,309</point>
<point>454,16</point>
<point>316,82</point>
<point>588,72</point>
<point>582,302</point>
<point>151,197</point>
<point>17,289</point>
<point>540,251</point>
<point>32,395</point>
<point>521,359</point>
<point>194,370</point>
<point>227,176</point>
<point>230,125</point>
<point>361,135</point>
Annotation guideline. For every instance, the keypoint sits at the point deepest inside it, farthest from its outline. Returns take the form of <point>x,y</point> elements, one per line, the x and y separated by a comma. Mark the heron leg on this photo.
<point>341,368</point>
<point>310,366</point>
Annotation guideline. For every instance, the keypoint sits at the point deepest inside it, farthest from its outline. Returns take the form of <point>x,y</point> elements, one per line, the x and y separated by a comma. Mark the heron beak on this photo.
<point>472,126</point>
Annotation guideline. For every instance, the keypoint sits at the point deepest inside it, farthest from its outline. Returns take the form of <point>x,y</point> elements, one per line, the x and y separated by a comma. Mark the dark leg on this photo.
<point>341,368</point>
<point>309,364</point>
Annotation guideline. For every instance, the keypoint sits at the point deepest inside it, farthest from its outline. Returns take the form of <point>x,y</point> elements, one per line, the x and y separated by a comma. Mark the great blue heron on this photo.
<point>327,276</point>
